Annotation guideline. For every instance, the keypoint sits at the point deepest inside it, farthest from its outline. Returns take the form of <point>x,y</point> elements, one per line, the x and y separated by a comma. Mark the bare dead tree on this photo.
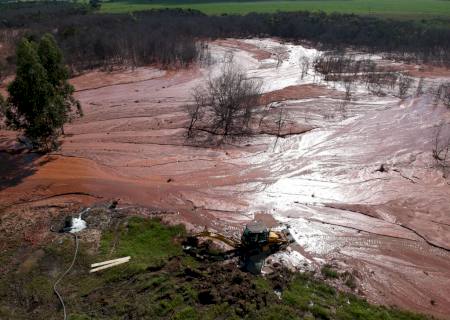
<point>264,113</point>
<point>315,60</point>
<point>226,105</point>
<point>446,95</point>
<point>280,122</point>
<point>390,78</point>
<point>228,57</point>
<point>348,85</point>
<point>346,68</point>
<point>195,111</point>
<point>278,53</point>
<point>419,90</point>
<point>434,92</point>
<point>404,84</point>
<point>204,56</point>
<point>304,65</point>
<point>441,150</point>
<point>342,108</point>
<point>443,93</point>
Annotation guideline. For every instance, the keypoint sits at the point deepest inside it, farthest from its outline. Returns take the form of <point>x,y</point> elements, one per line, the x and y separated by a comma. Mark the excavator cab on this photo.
<point>255,235</point>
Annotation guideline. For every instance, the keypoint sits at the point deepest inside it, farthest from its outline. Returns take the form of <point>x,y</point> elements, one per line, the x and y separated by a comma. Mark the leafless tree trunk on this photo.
<point>195,111</point>
<point>282,116</point>
<point>225,105</point>
<point>441,149</point>
<point>443,94</point>
<point>419,90</point>
<point>279,56</point>
<point>264,114</point>
<point>304,65</point>
<point>446,95</point>
<point>404,84</point>
<point>228,58</point>
<point>348,85</point>
<point>343,108</point>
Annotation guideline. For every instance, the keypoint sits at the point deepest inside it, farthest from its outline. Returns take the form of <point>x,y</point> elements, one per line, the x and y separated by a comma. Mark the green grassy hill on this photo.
<point>406,9</point>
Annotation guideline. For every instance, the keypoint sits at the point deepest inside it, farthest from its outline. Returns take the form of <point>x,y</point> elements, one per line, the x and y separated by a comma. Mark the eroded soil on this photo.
<point>390,227</point>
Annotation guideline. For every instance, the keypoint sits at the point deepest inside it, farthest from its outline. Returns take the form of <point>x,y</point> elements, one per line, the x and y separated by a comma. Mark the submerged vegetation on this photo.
<point>161,282</point>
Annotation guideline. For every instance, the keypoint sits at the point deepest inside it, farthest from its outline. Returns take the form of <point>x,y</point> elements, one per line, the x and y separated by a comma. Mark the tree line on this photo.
<point>40,100</point>
<point>170,37</point>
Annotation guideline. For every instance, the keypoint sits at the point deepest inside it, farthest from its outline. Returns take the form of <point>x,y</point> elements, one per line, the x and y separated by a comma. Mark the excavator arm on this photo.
<point>220,237</point>
<point>257,243</point>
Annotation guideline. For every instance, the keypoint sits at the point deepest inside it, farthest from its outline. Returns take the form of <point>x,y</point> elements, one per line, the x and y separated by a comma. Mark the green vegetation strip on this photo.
<point>161,282</point>
<point>408,9</point>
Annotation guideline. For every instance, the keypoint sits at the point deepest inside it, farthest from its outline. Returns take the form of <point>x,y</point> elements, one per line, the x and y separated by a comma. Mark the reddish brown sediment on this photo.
<point>391,228</point>
<point>134,150</point>
<point>300,92</point>
<point>255,51</point>
<point>427,71</point>
<point>98,78</point>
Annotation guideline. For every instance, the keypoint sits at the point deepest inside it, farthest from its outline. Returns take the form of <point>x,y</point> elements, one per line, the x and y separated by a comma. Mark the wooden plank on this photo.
<point>109,265</point>
<point>98,264</point>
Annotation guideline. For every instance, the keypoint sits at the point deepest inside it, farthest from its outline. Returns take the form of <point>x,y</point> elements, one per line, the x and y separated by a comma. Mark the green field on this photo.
<point>408,9</point>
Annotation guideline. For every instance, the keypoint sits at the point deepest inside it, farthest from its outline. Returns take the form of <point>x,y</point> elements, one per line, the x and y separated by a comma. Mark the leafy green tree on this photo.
<point>52,60</point>
<point>40,98</point>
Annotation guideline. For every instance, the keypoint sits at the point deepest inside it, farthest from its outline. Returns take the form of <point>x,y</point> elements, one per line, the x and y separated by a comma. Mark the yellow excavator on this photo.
<point>256,244</point>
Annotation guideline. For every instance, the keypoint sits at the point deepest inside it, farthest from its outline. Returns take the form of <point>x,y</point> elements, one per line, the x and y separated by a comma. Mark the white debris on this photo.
<point>291,259</point>
<point>277,293</point>
<point>78,224</point>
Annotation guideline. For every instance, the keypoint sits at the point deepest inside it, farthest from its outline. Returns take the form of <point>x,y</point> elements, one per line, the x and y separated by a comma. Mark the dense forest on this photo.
<point>173,38</point>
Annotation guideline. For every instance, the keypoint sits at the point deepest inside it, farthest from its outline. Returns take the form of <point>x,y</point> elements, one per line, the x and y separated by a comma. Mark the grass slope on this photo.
<point>160,282</point>
<point>407,9</point>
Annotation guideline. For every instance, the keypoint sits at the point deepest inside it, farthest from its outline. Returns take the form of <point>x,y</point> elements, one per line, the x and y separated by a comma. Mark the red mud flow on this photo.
<point>255,51</point>
<point>391,228</point>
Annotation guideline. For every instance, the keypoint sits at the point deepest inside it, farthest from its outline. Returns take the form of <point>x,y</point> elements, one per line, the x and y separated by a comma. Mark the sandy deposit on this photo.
<point>392,228</point>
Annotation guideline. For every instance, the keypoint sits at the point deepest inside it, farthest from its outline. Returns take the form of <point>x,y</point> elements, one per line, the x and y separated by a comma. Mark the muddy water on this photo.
<point>392,227</point>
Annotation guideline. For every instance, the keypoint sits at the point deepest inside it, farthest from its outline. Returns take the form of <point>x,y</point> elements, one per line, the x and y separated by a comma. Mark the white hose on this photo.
<point>64,274</point>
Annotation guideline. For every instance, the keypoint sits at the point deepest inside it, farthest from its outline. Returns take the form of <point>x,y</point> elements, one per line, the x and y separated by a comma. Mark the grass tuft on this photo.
<point>328,272</point>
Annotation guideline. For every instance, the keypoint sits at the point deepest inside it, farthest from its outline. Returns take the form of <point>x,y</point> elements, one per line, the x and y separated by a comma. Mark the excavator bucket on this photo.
<point>288,235</point>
